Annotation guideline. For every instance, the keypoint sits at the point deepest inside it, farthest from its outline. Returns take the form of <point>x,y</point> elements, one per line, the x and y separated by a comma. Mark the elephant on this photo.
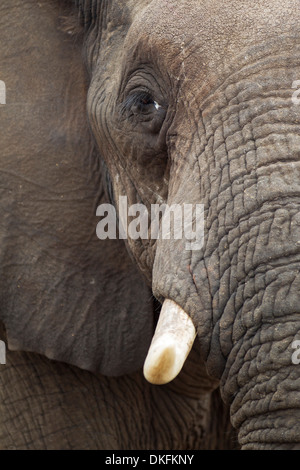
<point>77,316</point>
<point>140,342</point>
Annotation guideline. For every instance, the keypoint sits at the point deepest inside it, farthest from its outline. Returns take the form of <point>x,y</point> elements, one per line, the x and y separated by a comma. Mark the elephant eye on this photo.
<point>143,112</point>
<point>140,103</point>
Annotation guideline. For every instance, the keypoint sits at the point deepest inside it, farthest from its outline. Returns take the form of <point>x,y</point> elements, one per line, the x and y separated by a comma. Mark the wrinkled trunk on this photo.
<point>242,289</point>
<point>262,383</point>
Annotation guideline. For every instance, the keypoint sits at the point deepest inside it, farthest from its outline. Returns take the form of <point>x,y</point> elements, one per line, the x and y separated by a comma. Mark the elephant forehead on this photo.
<point>208,29</point>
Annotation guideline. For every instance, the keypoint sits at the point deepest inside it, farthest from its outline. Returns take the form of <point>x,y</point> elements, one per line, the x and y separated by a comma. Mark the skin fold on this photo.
<point>161,101</point>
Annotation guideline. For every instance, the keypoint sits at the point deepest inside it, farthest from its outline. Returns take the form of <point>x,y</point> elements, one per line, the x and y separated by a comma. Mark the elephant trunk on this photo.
<point>257,330</point>
<point>262,383</point>
<point>242,289</point>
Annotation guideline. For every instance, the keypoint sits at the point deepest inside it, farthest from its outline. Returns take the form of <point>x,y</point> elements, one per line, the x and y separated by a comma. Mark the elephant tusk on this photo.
<point>173,339</point>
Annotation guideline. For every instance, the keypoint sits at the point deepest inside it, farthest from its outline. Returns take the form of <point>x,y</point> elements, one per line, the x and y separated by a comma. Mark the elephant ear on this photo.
<point>64,293</point>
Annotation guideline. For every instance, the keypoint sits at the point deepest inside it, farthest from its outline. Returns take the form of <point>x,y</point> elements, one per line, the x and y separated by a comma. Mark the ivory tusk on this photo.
<point>172,341</point>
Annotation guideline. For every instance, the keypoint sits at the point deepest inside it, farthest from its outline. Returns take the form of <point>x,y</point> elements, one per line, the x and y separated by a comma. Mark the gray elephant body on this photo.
<point>47,405</point>
<point>187,102</point>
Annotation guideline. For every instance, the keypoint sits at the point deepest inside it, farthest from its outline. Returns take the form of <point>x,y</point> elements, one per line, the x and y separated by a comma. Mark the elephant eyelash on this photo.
<point>138,100</point>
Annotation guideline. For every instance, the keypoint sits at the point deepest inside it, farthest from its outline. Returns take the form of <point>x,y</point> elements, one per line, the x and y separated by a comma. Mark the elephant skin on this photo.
<point>162,102</point>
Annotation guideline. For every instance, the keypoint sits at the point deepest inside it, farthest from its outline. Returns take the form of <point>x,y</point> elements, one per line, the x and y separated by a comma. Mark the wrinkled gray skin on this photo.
<point>78,316</point>
<point>226,135</point>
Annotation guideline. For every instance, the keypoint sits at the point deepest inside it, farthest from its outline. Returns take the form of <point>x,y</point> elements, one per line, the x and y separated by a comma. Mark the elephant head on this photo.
<point>188,102</point>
